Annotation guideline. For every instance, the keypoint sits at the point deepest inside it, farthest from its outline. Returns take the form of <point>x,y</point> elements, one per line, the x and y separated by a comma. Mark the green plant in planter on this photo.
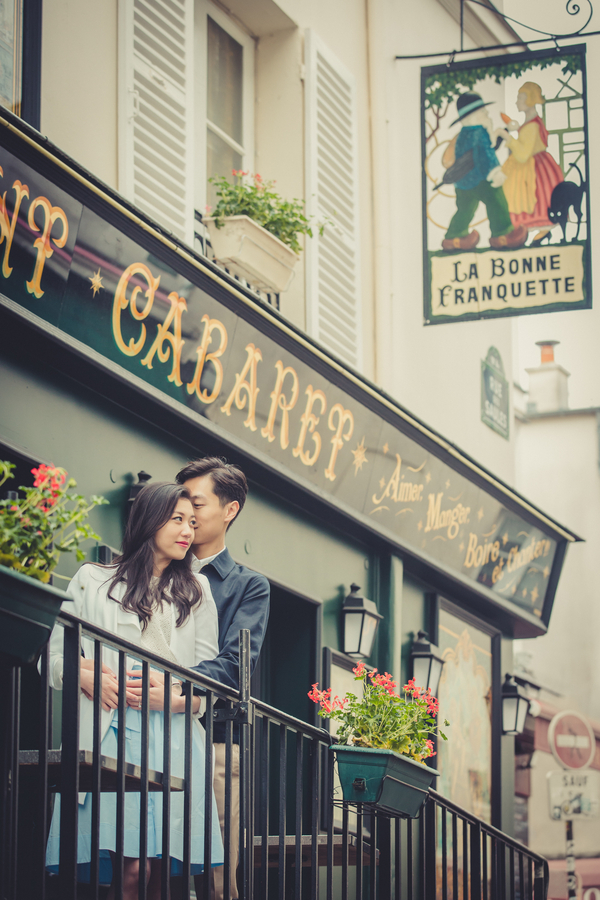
<point>250,196</point>
<point>44,522</point>
<point>381,718</point>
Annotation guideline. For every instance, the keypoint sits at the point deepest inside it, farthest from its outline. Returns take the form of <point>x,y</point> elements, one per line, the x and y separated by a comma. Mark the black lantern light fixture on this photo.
<point>515,706</point>
<point>360,622</point>
<point>427,663</point>
<point>143,479</point>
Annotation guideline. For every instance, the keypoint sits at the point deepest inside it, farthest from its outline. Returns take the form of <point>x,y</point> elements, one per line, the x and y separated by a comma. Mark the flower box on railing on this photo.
<point>28,611</point>
<point>386,780</point>
<point>251,252</point>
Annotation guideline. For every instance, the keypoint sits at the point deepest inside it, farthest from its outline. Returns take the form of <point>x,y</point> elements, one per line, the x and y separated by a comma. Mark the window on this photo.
<point>21,58</point>
<point>11,55</point>
<point>224,99</point>
<point>333,271</point>
<point>186,91</point>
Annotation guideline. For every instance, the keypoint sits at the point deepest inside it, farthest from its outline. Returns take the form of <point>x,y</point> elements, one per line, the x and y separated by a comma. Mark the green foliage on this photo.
<point>448,85</point>
<point>381,718</point>
<point>34,531</point>
<point>256,199</point>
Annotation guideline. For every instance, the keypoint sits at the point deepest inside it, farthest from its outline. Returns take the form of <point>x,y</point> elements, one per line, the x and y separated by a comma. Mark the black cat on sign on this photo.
<point>565,196</point>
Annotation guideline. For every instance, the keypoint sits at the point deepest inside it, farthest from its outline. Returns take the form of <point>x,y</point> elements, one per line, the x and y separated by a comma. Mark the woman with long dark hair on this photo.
<point>150,597</point>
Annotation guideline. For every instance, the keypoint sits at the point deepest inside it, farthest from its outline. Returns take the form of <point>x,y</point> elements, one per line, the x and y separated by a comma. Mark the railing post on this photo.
<point>69,800</point>
<point>540,880</point>
<point>475,854</point>
<point>429,812</point>
<point>246,841</point>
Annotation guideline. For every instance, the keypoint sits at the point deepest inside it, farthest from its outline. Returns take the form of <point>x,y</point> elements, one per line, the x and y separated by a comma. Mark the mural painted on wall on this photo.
<point>505,186</point>
<point>177,332</point>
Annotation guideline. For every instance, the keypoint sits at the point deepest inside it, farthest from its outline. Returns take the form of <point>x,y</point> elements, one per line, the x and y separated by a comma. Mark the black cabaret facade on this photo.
<point>123,349</point>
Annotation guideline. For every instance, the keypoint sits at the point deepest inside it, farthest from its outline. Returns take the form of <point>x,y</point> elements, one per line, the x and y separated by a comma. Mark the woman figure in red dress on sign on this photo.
<point>531,172</point>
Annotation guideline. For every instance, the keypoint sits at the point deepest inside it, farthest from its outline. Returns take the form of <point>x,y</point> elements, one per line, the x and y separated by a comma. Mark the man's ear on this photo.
<point>232,510</point>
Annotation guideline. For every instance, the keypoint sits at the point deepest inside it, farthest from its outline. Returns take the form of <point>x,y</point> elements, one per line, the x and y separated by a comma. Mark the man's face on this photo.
<point>212,518</point>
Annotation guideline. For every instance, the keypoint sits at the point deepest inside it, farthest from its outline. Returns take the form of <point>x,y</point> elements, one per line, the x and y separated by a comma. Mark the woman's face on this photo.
<point>522,104</point>
<point>173,540</point>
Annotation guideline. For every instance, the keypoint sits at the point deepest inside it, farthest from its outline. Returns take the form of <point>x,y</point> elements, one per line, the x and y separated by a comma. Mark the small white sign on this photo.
<point>573,794</point>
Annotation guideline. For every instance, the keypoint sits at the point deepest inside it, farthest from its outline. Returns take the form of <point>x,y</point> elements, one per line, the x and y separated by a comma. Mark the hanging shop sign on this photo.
<point>506,226</point>
<point>494,393</point>
<point>77,261</point>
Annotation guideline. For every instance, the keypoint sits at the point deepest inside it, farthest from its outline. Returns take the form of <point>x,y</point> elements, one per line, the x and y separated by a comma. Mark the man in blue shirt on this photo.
<point>480,182</point>
<point>219,492</point>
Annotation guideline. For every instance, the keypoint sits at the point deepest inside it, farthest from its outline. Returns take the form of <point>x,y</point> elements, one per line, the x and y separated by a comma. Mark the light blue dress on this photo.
<point>108,800</point>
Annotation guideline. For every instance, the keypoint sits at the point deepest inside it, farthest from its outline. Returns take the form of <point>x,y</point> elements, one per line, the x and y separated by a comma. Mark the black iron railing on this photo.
<point>296,840</point>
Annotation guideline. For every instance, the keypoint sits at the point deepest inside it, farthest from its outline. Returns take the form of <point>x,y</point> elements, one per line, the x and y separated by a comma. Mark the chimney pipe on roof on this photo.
<point>548,382</point>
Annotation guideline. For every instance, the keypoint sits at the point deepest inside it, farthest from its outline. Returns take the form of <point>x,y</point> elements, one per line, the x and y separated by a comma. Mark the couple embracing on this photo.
<point>175,591</point>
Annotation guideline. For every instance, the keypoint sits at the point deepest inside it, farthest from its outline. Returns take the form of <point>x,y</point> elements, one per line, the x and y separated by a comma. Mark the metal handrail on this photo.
<point>286,788</point>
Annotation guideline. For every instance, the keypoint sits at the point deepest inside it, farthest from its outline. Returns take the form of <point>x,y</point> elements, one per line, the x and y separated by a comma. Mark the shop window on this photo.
<point>465,695</point>
<point>332,259</point>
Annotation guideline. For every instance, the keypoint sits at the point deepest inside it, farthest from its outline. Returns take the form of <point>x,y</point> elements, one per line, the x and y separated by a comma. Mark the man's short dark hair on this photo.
<point>229,482</point>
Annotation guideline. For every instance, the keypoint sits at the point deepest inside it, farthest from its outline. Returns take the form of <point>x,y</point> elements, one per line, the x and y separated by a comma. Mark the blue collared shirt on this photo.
<point>242,599</point>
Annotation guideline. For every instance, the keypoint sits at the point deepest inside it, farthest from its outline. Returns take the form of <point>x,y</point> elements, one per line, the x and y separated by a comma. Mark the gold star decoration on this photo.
<point>96,280</point>
<point>534,594</point>
<point>546,571</point>
<point>386,448</point>
<point>524,592</point>
<point>428,477</point>
<point>480,514</point>
<point>360,457</point>
<point>382,482</point>
<point>420,525</point>
<point>514,590</point>
<point>504,539</point>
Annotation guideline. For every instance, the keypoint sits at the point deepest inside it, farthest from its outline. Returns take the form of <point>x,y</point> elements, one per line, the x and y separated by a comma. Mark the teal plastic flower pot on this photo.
<point>387,780</point>
<point>28,611</point>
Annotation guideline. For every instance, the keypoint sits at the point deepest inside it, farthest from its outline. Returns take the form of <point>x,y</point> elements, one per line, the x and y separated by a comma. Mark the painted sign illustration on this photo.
<point>115,291</point>
<point>505,186</point>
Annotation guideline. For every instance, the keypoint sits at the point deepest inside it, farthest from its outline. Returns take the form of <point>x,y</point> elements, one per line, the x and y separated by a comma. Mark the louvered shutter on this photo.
<point>333,310</point>
<point>156,110</point>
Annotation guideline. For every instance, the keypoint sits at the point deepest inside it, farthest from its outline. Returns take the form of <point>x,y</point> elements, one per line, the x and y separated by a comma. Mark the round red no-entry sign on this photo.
<point>571,740</point>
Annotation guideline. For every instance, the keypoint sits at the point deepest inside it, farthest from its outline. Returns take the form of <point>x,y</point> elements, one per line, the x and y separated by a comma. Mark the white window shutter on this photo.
<point>156,110</point>
<point>333,264</point>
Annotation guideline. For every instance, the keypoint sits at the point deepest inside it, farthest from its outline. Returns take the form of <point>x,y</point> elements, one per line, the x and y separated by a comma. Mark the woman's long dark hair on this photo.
<point>151,509</point>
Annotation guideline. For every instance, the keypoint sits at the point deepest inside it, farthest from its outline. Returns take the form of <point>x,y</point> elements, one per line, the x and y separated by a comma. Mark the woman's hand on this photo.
<point>156,693</point>
<point>109,697</point>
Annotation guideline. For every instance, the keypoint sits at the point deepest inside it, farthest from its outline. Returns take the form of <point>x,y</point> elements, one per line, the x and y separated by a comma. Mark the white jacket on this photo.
<point>196,640</point>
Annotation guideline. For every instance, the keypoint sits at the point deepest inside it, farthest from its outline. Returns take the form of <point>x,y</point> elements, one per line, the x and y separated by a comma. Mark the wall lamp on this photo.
<point>427,663</point>
<point>515,706</point>
<point>360,621</point>
<point>143,479</point>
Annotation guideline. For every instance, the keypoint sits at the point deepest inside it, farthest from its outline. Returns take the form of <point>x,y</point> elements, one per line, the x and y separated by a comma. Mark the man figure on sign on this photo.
<point>474,168</point>
<point>218,491</point>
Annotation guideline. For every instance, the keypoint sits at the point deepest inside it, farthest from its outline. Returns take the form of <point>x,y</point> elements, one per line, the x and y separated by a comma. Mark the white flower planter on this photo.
<point>251,252</point>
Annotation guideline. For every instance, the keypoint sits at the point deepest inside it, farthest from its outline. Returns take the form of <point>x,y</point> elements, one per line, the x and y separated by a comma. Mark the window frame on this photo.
<point>202,10</point>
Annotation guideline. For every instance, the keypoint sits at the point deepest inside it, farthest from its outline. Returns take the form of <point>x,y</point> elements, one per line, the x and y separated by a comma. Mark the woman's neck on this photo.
<point>159,566</point>
<point>530,114</point>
